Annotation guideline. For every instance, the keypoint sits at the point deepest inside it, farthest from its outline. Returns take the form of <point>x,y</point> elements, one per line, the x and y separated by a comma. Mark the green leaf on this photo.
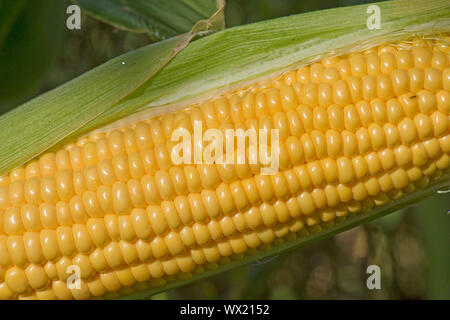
<point>159,19</point>
<point>30,38</point>
<point>8,15</point>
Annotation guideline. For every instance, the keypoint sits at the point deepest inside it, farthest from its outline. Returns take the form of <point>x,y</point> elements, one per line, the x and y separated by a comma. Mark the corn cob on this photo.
<point>356,131</point>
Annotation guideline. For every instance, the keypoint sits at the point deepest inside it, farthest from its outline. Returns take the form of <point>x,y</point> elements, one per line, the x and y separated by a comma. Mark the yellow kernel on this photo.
<point>432,80</point>
<point>330,170</point>
<point>116,142</point>
<point>387,159</point>
<point>358,65</point>
<point>32,246</point>
<point>113,255</point>
<point>341,94</point>
<point>400,81</point>
<point>351,118</point>
<point>384,87</point>
<point>126,228</point>
<point>377,137</point>
<point>369,87</point>
<point>16,193</point>
<point>403,156</point>
<point>159,247</point>
<point>424,126</point>
<point>16,280</point>
<point>345,170</point>
<point>404,59</point>
<point>16,250</point>
<point>387,62</point>
<point>407,131</point>
<point>421,57</point>
<point>129,252</point>
<point>157,219</point>
<point>121,198</point>
<point>77,211</point>
<point>416,79</point>
<point>399,178</point>
<point>440,123</point>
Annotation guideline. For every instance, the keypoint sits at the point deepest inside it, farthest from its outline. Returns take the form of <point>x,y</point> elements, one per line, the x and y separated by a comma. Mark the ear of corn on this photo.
<point>356,132</point>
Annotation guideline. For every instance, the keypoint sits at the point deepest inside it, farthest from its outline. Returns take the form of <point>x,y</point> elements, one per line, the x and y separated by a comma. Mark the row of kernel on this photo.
<point>144,135</point>
<point>363,113</point>
<point>353,90</point>
<point>346,170</point>
<point>125,281</point>
<point>317,145</point>
<point>23,281</point>
<point>360,65</point>
<point>382,59</point>
<point>198,256</point>
<point>59,185</point>
<point>352,117</point>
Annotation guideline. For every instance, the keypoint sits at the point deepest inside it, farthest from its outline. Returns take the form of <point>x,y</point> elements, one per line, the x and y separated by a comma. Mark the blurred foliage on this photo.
<point>411,246</point>
<point>239,12</point>
<point>432,218</point>
<point>159,19</point>
<point>30,40</point>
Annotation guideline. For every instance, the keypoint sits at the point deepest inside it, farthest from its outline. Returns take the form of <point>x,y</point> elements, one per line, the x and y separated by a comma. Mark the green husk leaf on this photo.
<point>287,246</point>
<point>159,19</point>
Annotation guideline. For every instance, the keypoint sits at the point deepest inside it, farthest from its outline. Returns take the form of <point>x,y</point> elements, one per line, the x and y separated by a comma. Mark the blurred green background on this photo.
<point>412,247</point>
